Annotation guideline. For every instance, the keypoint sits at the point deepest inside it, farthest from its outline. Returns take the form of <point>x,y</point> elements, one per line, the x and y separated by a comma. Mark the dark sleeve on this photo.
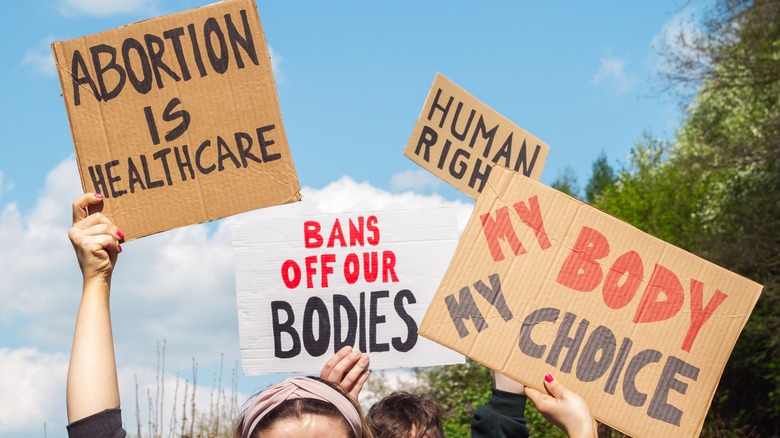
<point>106,424</point>
<point>501,416</point>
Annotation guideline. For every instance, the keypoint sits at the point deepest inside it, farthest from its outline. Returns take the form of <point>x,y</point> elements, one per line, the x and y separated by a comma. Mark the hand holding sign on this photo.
<point>95,239</point>
<point>563,408</point>
<point>348,368</point>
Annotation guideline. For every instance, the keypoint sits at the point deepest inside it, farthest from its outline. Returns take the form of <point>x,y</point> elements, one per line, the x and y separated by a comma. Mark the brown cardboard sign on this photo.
<point>543,283</point>
<point>176,119</point>
<point>460,139</point>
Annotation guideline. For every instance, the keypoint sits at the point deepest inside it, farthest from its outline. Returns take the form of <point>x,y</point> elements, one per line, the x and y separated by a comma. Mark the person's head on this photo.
<point>406,415</point>
<point>304,407</point>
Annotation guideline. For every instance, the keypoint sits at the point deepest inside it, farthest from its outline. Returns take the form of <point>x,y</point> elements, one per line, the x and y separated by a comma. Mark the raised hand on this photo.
<point>347,368</point>
<point>95,239</point>
<point>563,408</point>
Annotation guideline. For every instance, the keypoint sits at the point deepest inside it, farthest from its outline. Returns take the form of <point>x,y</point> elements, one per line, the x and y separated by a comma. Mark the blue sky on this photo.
<point>352,78</point>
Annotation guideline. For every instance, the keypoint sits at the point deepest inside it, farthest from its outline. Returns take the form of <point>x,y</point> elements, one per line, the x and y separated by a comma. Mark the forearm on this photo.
<point>92,384</point>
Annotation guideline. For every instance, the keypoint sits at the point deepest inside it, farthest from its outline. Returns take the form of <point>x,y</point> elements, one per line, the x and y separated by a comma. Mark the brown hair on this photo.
<point>299,407</point>
<point>394,416</point>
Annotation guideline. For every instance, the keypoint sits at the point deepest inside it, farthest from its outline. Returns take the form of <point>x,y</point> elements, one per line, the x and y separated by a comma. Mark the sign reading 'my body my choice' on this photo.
<point>176,119</point>
<point>543,283</point>
<point>307,286</point>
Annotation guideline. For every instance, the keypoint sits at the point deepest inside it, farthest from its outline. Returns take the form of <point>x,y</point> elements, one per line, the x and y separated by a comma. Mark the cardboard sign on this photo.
<point>543,283</point>
<point>460,139</point>
<point>308,286</point>
<point>176,119</point>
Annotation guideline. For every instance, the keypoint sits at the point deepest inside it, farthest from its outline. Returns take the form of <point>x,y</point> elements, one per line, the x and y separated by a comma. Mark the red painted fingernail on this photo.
<point>120,234</point>
<point>119,248</point>
<point>548,378</point>
<point>98,195</point>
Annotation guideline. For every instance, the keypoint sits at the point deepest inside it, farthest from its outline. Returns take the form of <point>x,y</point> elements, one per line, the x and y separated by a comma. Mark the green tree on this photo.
<point>601,179</point>
<point>655,196</point>
<point>732,138</point>
<point>566,182</point>
<point>460,389</point>
<point>715,191</point>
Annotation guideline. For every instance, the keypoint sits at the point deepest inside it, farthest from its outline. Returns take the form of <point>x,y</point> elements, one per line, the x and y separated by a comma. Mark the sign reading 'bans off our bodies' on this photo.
<point>543,283</point>
<point>176,119</point>
<point>460,139</point>
<point>308,286</point>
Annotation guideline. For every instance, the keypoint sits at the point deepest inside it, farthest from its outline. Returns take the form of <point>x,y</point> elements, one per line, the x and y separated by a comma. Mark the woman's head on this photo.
<point>303,406</point>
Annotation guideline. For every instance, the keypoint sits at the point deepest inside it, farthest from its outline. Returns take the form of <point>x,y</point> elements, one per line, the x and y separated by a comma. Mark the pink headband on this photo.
<point>298,387</point>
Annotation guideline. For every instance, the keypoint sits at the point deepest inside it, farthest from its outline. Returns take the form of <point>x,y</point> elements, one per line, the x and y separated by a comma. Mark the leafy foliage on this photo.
<point>715,192</point>
<point>566,182</point>
<point>647,194</point>
<point>602,178</point>
<point>460,389</point>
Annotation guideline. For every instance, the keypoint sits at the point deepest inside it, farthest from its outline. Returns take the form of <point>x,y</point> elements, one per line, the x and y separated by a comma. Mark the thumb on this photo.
<point>534,395</point>
<point>537,397</point>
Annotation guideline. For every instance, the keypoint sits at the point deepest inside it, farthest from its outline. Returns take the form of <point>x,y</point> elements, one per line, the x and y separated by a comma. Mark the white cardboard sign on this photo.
<point>308,286</point>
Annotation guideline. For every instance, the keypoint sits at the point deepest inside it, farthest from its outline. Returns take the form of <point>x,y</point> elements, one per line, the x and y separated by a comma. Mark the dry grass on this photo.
<point>193,421</point>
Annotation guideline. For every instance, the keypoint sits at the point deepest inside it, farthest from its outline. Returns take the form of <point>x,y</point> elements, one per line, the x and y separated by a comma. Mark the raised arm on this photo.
<point>92,384</point>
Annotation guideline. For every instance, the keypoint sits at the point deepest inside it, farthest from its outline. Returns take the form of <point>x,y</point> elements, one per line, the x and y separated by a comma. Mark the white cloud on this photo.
<point>33,395</point>
<point>102,8</point>
<point>5,186</point>
<point>33,392</point>
<point>176,286</point>
<point>383,382</point>
<point>681,27</point>
<point>418,179</point>
<point>276,64</point>
<point>41,59</point>
<point>612,72</point>
<point>36,263</point>
<point>346,195</point>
